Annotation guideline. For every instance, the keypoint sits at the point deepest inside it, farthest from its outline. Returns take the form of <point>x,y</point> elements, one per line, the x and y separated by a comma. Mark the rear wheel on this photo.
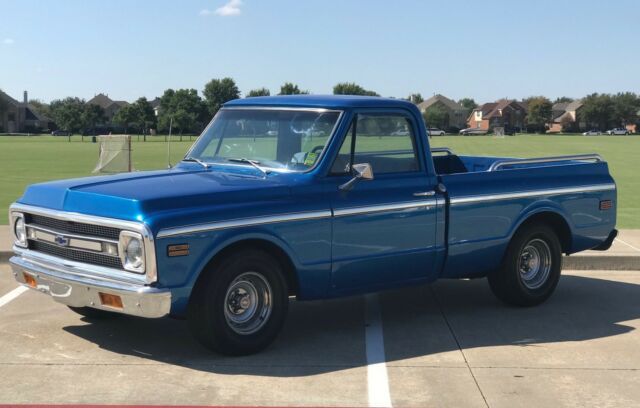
<point>530,269</point>
<point>240,306</point>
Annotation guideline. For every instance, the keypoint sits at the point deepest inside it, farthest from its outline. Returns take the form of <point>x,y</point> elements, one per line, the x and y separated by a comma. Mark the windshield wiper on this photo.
<point>254,163</point>
<point>200,162</point>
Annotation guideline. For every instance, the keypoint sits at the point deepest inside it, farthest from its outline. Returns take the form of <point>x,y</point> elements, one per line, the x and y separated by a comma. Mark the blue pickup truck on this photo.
<point>309,197</point>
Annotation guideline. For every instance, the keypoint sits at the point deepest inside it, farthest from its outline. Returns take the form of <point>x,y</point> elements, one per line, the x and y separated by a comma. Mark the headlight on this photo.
<point>19,230</point>
<point>131,249</point>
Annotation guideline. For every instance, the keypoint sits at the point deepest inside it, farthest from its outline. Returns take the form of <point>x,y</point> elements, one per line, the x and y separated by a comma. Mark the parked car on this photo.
<point>435,132</point>
<point>592,132</point>
<point>245,225</point>
<point>60,133</point>
<point>473,131</point>
<point>618,131</point>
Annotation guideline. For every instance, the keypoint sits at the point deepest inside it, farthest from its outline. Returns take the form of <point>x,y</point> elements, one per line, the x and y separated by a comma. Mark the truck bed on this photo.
<point>488,198</point>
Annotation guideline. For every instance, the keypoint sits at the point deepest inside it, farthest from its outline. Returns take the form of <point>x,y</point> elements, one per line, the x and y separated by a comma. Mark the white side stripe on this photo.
<point>12,295</point>
<point>377,379</point>
<point>533,193</point>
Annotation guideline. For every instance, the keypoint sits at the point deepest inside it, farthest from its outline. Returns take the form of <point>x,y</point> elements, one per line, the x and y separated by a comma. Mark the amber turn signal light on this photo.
<point>110,300</point>
<point>29,280</point>
<point>606,205</point>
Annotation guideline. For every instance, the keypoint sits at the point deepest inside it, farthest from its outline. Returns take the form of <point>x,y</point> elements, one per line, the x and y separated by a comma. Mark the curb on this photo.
<point>601,262</point>
<point>575,262</point>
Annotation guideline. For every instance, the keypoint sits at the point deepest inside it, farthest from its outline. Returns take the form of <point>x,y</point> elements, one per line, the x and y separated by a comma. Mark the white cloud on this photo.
<point>205,12</point>
<point>232,8</point>
<point>8,41</point>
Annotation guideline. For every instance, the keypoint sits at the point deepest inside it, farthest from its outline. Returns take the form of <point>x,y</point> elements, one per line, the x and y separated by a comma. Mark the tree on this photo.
<point>41,107</point>
<point>436,116</point>
<point>218,91</point>
<point>415,98</point>
<point>563,99</point>
<point>540,112</point>
<point>351,88</point>
<point>468,103</point>
<point>67,113</point>
<point>258,92</point>
<point>625,108</point>
<point>194,113</point>
<point>597,111</point>
<point>92,115</point>
<point>145,117</point>
<point>125,117</point>
<point>289,88</point>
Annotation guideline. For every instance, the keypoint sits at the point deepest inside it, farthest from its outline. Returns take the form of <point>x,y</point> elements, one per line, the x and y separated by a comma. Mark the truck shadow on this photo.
<point>420,322</point>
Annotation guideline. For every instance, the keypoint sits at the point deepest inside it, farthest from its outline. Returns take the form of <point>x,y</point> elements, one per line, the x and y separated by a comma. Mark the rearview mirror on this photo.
<point>361,171</point>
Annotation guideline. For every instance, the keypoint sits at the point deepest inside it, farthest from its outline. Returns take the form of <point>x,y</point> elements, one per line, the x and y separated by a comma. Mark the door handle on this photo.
<point>424,193</point>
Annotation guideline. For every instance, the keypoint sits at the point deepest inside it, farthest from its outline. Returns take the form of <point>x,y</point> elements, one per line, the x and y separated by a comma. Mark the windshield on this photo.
<point>284,139</point>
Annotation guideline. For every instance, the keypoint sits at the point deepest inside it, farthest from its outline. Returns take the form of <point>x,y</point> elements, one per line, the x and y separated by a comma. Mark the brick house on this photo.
<point>565,117</point>
<point>503,113</point>
<point>456,113</point>
<point>110,106</point>
<point>21,117</point>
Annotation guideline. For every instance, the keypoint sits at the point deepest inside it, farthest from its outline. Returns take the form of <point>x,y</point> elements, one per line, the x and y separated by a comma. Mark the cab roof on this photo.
<point>322,101</point>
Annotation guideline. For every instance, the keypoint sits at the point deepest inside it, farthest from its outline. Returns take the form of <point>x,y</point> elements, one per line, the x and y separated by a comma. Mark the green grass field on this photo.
<point>26,160</point>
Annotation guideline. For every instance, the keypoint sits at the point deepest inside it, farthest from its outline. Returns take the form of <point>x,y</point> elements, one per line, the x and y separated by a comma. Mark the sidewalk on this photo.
<point>624,254</point>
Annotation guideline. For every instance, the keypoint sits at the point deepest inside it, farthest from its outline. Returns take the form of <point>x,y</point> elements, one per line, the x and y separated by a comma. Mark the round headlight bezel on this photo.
<point>132,262</point>
<point>20,237</point>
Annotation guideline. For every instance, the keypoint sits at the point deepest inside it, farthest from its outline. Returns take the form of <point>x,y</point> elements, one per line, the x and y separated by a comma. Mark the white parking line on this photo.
<point>12,295</point>
<point>377,379</point>
<point>627,244</point>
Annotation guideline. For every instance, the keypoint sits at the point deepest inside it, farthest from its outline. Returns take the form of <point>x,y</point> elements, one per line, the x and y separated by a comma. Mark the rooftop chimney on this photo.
<point>25,96</point>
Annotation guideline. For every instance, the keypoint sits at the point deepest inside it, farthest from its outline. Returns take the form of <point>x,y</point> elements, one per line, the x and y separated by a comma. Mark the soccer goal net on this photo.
<point>498,131</point>
<point>114,154</point>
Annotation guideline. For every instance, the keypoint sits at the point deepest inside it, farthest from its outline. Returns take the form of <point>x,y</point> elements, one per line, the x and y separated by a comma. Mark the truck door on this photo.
<point>384,229</point>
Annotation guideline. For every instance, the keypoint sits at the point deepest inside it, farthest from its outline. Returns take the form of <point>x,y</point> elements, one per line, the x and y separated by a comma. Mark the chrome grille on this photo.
<point>53,227</point>
<point>73,227</point>
<point>76,255</point>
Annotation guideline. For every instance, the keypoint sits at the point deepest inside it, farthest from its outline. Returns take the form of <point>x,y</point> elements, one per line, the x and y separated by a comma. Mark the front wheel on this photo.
<point>240,305</point>
<point>531,268</point>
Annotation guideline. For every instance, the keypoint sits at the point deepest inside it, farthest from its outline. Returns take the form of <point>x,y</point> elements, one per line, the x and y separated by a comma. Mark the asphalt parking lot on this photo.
<point>448,344</point>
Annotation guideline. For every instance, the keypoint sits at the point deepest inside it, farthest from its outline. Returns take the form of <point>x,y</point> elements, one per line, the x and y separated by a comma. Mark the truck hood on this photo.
<point>141,195</point>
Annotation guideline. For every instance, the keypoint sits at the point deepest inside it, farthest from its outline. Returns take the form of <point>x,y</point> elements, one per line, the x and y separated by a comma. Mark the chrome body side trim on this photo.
<point>151,271</point>
<point>280,107</point>
<point>370,209</point>
<point>243,222</point>
<point>66,286</point>
<point>533,193</point>
<point>538,160</point>
<point>272,219</point>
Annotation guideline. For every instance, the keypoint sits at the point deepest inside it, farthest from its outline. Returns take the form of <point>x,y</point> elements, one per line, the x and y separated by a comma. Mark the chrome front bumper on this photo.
<point>66,286</point>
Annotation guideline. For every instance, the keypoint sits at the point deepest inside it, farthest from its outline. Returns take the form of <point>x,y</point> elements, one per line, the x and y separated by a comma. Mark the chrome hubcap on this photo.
<point>535,263</point>
<point>248,303</point>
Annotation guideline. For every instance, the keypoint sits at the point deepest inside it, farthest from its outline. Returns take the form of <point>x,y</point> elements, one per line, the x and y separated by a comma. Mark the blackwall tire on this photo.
<point>239,307</point>
<point>531,267</point>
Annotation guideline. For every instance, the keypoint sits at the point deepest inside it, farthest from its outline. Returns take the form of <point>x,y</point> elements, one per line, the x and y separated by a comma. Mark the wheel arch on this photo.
<point>276,251</point>
<point>553,219</point>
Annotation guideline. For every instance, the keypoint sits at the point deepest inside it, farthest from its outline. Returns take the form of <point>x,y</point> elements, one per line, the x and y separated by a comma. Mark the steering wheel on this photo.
<point>317,149</point>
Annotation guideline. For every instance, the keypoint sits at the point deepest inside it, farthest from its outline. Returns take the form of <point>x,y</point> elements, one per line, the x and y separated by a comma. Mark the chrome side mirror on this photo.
<point>361,171</point>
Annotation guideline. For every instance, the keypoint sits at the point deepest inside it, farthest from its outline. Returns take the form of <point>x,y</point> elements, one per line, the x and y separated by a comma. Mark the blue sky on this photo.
<point>483,49</point>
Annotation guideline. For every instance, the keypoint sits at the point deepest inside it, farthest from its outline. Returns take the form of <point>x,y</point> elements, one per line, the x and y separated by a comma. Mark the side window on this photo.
<point>387,142</point>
